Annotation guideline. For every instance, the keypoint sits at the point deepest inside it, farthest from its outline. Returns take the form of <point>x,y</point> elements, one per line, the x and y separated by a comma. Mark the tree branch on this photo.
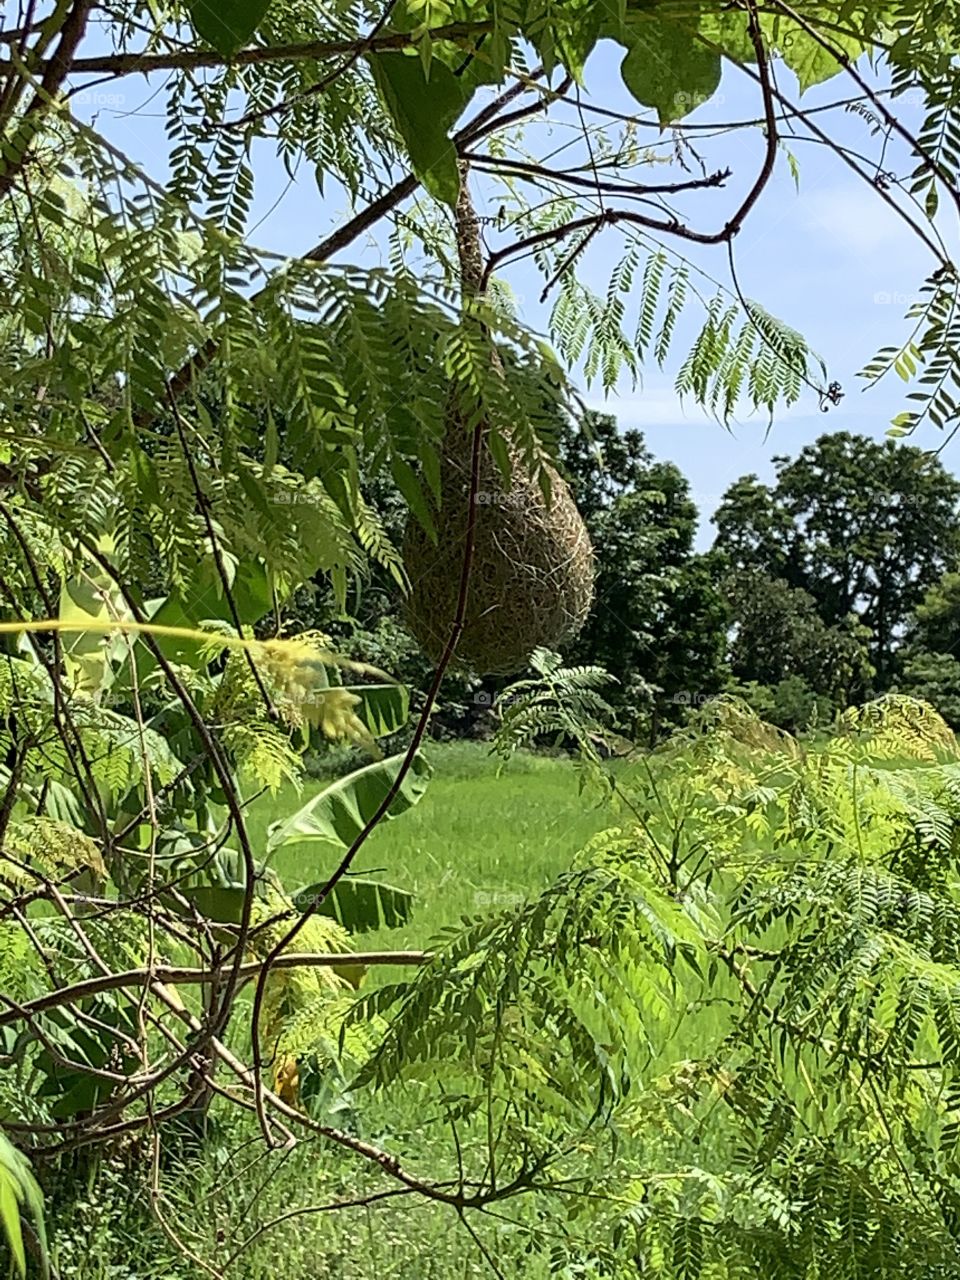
<point>122,64</point>
<point>55,72</point>
<point>627,189</point>
<point>175,975</point>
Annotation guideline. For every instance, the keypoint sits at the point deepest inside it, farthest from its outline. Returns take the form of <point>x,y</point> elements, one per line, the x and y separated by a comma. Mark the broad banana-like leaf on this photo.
<point>92,597</point>
<point>359,904</point>
<point>222,903</point>
<point>383,708</point>
<point>18,1192</point>
<point>339,813</point>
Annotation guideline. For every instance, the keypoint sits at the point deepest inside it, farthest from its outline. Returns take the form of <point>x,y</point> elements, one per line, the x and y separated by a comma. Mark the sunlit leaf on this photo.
<point>423,108</point>
<point>339,813</point>
<point>227,25</point>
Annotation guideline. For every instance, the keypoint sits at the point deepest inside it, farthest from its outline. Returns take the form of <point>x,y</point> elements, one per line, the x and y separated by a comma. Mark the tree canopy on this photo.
<point>658,620</point>
<point>863,528</point>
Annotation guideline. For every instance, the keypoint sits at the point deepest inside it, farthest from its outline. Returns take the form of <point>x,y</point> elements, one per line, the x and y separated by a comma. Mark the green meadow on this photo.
<point>477,839</point>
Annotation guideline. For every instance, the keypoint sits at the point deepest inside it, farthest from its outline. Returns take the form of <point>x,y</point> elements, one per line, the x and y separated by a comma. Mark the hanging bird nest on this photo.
<point>531,576</point>
<point>532,569</point>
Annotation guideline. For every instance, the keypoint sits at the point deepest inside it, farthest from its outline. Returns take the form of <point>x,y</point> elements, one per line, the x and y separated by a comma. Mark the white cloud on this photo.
<point>853,219</point>
<point>662,407</point>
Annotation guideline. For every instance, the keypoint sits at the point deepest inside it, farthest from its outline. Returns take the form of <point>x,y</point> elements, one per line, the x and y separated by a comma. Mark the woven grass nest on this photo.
<point>531,572</point>
<point>531,578</point>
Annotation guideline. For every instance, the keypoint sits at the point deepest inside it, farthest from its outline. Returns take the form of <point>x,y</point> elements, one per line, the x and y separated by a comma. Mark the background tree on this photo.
<point>931,669</point>
<point>658,622</point>
<point>862,527</point>
<point>934,677</point>
<point>936,621</point>
<point>789,659</point>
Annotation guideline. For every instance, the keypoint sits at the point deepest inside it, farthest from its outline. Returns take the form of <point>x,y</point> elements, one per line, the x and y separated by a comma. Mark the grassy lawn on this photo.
<point>474,842</point>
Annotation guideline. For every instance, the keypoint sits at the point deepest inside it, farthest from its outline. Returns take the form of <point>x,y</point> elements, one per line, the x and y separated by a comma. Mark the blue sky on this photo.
<point>830,259</point>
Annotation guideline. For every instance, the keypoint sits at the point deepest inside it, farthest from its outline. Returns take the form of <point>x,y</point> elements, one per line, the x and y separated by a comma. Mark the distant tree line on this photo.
<point>838,581</point>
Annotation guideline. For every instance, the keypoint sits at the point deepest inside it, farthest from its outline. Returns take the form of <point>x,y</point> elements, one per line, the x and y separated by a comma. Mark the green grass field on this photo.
<point>475,841</point>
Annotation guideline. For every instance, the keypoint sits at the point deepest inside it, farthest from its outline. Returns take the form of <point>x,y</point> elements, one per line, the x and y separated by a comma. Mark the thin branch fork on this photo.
<point>930,162</point>
<point>496,163</point>
<point>388,1162</point>
<point>609,218</point>
<point>673,226</point>
<point>820,135</point>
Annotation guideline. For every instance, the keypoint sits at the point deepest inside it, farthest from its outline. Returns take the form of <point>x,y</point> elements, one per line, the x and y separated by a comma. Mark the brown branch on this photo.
<point>17,35</point>
<point>579,248</point>
<point>672,226</point>
<point>389,1163</point>
<point>204,504</point>
<point>609,217</point>
<point>224,777</point>
<point>628,189</point>
<point>54,73</point>
<point>770,120</point>
<point>822,136</point>
<point>175,975</point>
<point>121,64</point>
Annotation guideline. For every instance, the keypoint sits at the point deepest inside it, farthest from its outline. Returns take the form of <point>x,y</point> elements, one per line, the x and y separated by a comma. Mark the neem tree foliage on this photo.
<point>187,424</point>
